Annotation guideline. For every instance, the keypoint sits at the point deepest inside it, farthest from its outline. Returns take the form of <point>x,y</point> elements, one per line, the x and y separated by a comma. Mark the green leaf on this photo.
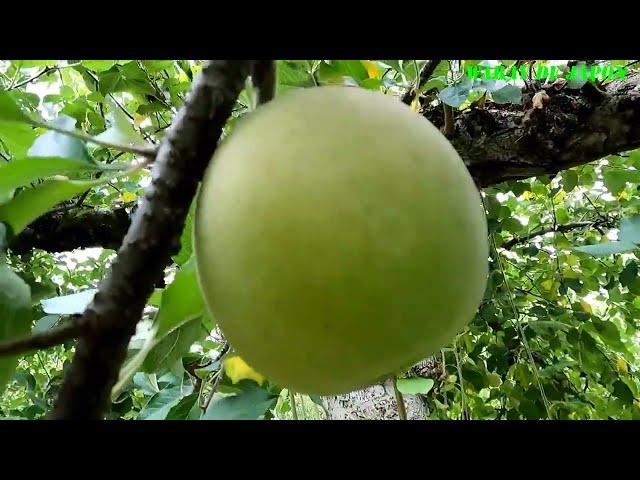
<point>147,383</point>
<point>162,402</point>
<point>121,130</point>
<point>605,249</point>
<point>293,74</point>
<point>98,65</point>
<point>155,66</point>
<point>569,180</point>
<point>414,385</point>
<point>45,323</point>
<point>69,304</point>
<point>511,225</point>
<point>456,94</point>
<point>250,404</point>
<point>351,68</point>
<point>9,111</point>
<point>181,304</point>
<point>185,410</point>
<point>30,204</point>
<point>26,379</point>
<point>17,137</point>
<point>623,392</point>
<point>174,346</point>
<point>475,377</point>
<point>37,63</point>
<point>616,180</point>
<point>55,144</point>
<point>21,171</point>
<point>110,81</point>
<point>15,317</point>
<point>629,273</point>
<point>181,301</point>
<point>507,94</point>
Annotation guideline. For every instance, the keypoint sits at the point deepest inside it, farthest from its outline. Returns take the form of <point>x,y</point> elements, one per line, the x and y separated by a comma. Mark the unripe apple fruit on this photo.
<point>339,238</point>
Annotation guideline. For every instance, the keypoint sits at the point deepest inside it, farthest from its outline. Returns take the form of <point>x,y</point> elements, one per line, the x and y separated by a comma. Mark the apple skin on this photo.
<point>339,238</point>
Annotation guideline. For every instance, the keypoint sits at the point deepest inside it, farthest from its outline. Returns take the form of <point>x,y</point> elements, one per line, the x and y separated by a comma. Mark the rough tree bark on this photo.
<point>497,143</point>
<point>154,235</point>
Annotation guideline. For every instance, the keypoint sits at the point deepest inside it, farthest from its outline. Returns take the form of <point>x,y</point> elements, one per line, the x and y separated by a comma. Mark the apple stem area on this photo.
<point>402,411</point>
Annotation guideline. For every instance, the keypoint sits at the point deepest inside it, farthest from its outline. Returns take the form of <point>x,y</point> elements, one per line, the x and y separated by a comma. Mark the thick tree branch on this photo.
<point>74,228</point>
<point>39,341</point>
<point>574,127</point>
<point>154,235</point>
<point>265,79</point>
<point>497,143</point>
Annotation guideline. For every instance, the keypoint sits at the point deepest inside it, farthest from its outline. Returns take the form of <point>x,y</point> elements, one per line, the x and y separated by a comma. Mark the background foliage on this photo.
<point>555,337</point>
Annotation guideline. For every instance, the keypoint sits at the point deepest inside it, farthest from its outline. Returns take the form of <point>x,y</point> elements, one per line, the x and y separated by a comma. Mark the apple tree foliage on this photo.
<point>555,336</point>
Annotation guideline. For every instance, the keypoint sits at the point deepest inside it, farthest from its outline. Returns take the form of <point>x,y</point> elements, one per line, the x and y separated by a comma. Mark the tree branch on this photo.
<point>497,143</point>
<point>39,341</point>
<point>154,235</point>
<point>62,231</point>
<point>508,142</point>
<point>148,152</point>
<point>560,228</point>
<point>425,74</point>
<point>44,71</point>
<point>265,79</point>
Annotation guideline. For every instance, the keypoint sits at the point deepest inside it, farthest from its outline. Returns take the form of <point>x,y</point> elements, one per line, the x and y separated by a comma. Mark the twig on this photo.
<point>149,152</point>
<point>43,366</point>
<point>559,228</point>
<point>35,77</point>
<point>425,74</point>
<point>39,341</point>
<point>155,87</point>
<point>154,235</point>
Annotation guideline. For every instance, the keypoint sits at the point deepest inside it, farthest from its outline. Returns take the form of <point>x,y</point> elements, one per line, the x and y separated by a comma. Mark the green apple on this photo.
<point>338,238</point>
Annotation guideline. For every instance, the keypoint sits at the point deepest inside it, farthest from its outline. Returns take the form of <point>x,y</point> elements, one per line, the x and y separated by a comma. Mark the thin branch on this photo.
<point>425,74</point>
<point>44,367</point>
<point>35,77</point>
<point>154,235</point>
<point>149,152</point>
<point>402,410</point>
<point>560,228</point>
<point>38,341</point>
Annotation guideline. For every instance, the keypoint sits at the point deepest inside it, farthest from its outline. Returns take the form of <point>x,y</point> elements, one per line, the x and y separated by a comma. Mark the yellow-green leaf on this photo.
<point>237,369</point>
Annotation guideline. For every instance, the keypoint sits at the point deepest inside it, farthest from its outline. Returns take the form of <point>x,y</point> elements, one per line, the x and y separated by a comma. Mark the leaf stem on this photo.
<point>402,411</point>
